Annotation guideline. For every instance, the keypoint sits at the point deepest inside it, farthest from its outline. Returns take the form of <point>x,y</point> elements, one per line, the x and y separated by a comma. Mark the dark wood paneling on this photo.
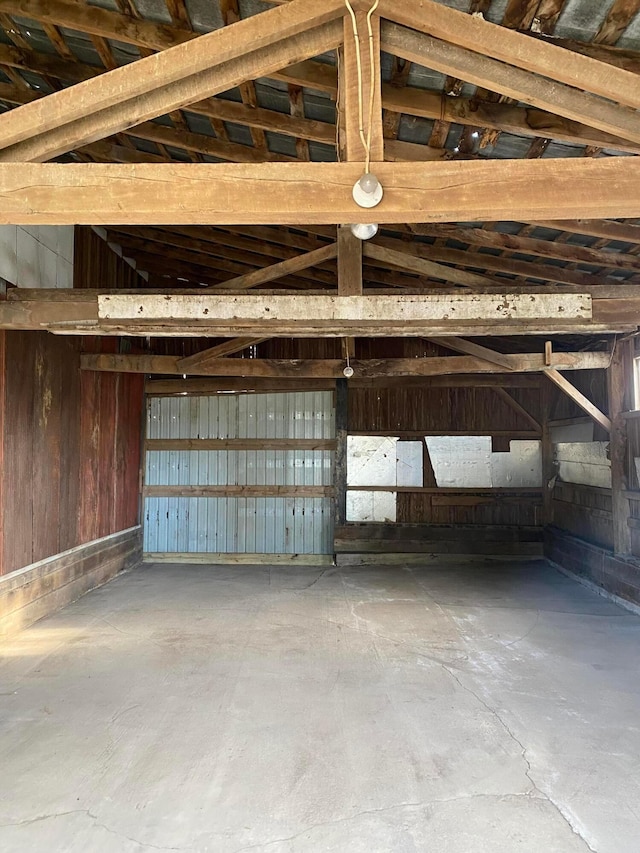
<point>584,511</point>
<point>2,406</point>
<point>20,476</point>
<point>71,449</point>
<point>97,265</point>
<point>593,563</point>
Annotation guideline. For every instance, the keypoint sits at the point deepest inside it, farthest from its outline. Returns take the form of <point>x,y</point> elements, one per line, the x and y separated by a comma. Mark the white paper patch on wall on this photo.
<point>371,506</point>
<point>521,467</point>
<point>584,463</point>
<point>467,462</point>
<point>371,460</point>
<point>461,461</point>
<point>409,463</point>
<point>572,432</point>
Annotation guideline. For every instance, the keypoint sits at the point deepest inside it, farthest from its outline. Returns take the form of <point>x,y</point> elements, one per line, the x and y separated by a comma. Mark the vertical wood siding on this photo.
<point>71,448</point>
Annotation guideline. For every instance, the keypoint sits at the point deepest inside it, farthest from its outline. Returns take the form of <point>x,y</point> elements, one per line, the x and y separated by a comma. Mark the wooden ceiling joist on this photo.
<point>515,49</point>
<point>315,193</point>
<point>422,266</point>
<point>475,350</point>
<point>282,269</point>
<point>163,82</point>
<point>333,368</point>
<point>227,348</point>
<point>614,118</point>
<point>569,252</point>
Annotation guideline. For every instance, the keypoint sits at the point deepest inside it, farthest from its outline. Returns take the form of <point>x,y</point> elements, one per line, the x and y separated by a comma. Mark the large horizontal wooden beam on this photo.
<point>167,365</point>
<point>236,384</point>
<point>316,193</point>
<point>463,308</point>
<point>281,314</point>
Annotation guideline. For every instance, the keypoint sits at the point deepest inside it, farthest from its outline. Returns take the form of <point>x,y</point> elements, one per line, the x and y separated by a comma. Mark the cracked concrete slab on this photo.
<point>468,707</point>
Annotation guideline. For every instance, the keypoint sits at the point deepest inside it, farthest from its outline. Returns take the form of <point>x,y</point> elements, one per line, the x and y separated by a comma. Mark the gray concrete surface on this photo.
<point>455,708</point>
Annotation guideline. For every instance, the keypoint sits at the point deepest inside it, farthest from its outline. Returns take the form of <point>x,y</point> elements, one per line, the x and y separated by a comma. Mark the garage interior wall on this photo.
<point>69,463</point>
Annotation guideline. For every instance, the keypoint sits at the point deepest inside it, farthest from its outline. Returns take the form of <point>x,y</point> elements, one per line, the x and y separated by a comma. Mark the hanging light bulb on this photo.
<point>348,372</point>
<point>364,231</point>
<point>367,191</point>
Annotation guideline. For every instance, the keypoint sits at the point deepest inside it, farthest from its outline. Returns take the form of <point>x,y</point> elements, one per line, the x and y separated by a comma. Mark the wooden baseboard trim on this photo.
<point>241,559</point>
<point>42,588</point>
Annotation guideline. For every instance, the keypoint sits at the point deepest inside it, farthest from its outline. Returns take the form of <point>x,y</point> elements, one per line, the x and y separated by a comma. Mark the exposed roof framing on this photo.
<point>510,136</point>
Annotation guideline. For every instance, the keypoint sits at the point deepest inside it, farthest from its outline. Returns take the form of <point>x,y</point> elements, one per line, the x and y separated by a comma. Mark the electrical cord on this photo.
<point>364,138</point>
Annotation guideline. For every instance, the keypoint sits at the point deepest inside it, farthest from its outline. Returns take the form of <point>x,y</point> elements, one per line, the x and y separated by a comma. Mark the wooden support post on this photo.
<point>619,386</point>
<point>340,467</point>
<point>548,468</point>
<point>349,263</point>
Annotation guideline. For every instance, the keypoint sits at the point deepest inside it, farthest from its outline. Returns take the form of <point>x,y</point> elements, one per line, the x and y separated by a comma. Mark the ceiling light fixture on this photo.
<point>367,191</point>
<point>364,231</point>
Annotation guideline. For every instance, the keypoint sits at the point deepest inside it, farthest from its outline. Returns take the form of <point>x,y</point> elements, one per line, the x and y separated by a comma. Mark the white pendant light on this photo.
<point>364,231</point>
<point>367,191</point>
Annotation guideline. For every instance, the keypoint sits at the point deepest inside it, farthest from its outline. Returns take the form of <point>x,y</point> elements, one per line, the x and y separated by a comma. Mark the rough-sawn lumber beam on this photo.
<point>333,368</point>
<point>316,193</point>
<point>165,81</point>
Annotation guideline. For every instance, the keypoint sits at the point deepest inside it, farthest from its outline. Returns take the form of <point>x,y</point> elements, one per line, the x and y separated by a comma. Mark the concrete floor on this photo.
<point>457,708</point>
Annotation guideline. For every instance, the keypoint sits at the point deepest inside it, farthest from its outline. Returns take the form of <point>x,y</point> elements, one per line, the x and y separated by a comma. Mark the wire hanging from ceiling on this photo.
<point>364,138</point>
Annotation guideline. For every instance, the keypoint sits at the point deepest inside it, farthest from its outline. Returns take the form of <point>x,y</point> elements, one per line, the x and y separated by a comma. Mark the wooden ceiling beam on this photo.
<point>194,313</point>
<point>118,100</point>
<point>530,246</point>
<point>522,85</point>
<point>349,263</point>
<point>523,121</point>
<point>475,350</point>
<point>206,271</point>
<point>476,34</point>
<point>315,193</point>
<point>282,269</point>
<point>503,265</point>
<point>603,230</point>
<point>333,368</point>
<point>209,145</point>
<point>214,108</point>
<point>227,348</point>
<point>261,237</point>
<point>219,246</point>
<point>214,385</point>
<point>518,120</point>
<point>422,266</point>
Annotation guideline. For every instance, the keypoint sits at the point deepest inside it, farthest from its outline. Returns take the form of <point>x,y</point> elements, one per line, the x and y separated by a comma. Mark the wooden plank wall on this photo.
<point>71,448</point>
<point>414,412</point>
<point>95,264</point>
<point>583,511</point>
